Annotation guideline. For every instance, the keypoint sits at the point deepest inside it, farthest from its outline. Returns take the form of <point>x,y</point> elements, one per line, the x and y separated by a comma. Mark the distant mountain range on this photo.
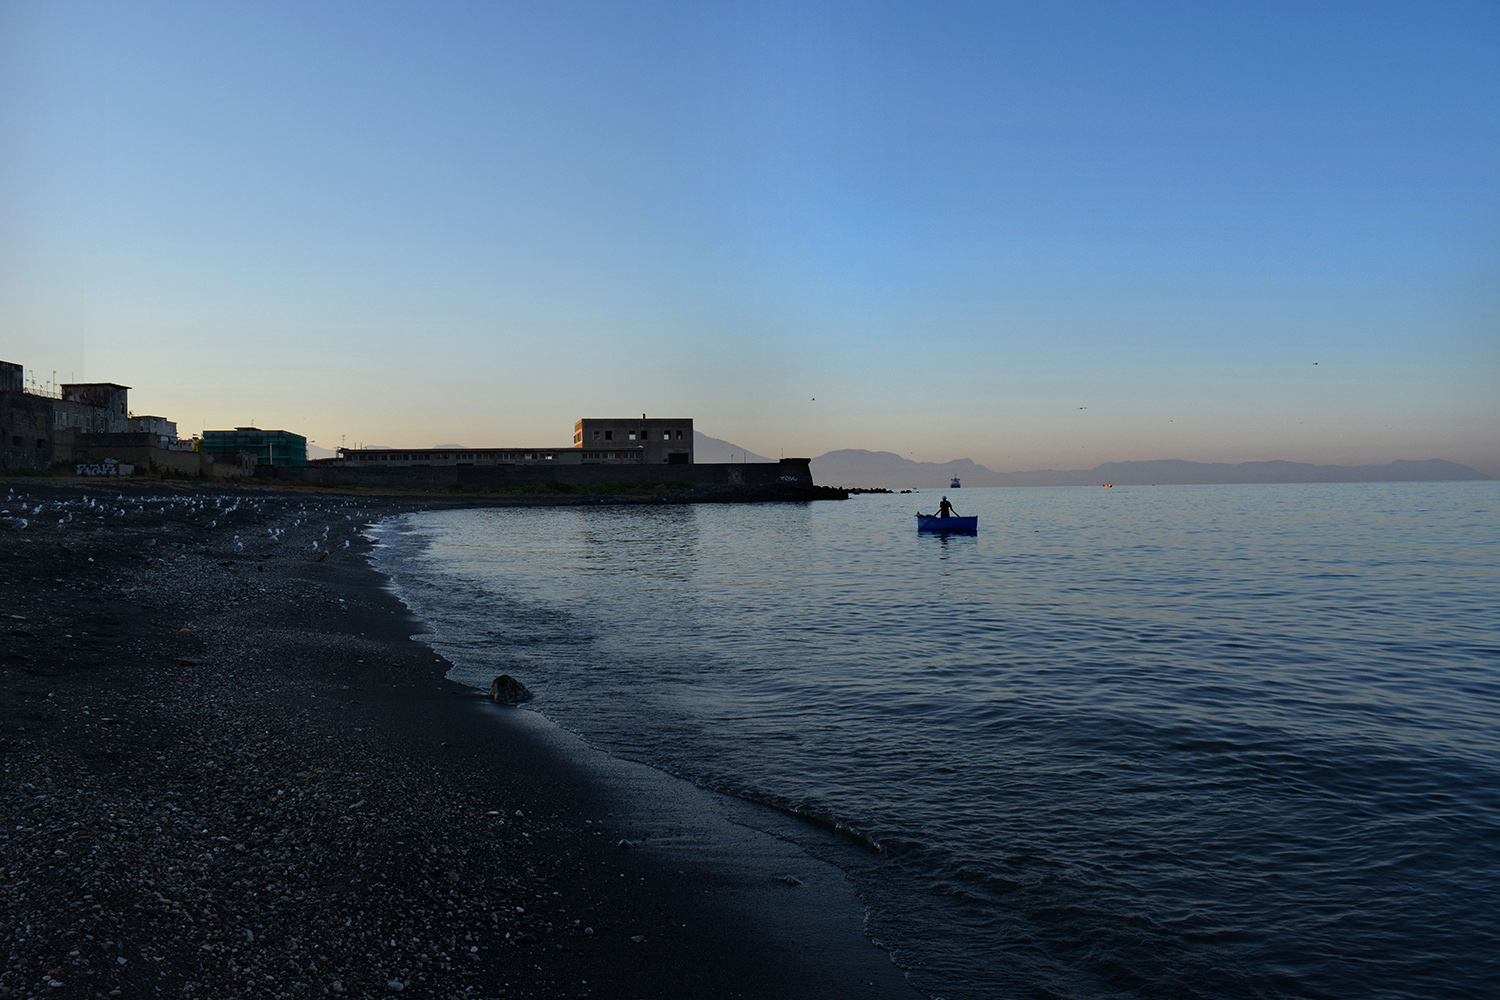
<point>856,467</point>
<point>711,449</point>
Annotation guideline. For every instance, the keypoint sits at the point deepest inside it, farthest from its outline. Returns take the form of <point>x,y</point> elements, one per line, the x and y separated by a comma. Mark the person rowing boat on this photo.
<point>947,519</point>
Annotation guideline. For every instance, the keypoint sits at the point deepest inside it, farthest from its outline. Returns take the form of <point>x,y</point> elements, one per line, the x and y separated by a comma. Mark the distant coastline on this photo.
<point>885,469</point>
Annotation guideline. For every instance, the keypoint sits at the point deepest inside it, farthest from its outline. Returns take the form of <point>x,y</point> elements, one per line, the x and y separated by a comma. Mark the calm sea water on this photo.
<point>1237,741</point>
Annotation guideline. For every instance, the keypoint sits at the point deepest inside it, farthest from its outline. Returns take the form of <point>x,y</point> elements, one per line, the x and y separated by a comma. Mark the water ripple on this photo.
<point>1169,742</point>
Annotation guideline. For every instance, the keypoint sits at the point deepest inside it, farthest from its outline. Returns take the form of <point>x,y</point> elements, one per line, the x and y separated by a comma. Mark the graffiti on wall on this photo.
<point>107,467</point>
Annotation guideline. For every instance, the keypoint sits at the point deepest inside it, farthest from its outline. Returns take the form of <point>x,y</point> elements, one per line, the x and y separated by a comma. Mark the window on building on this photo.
<point>666,435</point>
<point>679,435</point>
<point>632,435</point>
<point>609,435</point>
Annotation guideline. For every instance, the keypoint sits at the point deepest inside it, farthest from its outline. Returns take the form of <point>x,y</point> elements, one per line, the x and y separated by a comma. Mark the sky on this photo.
<point>1034,235</point>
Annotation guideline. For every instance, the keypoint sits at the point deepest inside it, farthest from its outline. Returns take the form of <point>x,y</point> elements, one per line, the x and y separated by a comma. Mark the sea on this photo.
<point>1173,741</point>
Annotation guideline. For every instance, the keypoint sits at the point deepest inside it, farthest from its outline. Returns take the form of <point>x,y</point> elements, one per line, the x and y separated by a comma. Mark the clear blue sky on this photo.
<point>935,229</point>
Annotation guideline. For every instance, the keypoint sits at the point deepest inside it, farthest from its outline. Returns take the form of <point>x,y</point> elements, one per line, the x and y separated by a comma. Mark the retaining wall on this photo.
<point>789,472</point>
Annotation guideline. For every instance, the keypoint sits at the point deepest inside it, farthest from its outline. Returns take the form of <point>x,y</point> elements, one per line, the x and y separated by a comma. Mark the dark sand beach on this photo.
<point>228,771</point>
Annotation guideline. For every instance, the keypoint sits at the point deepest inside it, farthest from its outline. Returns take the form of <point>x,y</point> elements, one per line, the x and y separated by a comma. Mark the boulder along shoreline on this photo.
<point>228,771</point>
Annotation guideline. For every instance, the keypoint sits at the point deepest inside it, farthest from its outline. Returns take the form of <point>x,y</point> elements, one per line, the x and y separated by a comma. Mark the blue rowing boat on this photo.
<point>930,522</point>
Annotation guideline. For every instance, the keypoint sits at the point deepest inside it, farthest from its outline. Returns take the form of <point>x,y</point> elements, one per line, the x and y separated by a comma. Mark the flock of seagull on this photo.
<point>20,511</point>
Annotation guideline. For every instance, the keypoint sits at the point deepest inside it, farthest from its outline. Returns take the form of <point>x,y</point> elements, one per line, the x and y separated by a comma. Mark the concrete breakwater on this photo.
<point>790,478</point>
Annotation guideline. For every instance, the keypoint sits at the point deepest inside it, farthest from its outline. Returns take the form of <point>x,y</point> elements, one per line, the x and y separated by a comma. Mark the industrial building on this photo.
<point>392,458</point>
<point>660,442</point>
<point>595,442</point>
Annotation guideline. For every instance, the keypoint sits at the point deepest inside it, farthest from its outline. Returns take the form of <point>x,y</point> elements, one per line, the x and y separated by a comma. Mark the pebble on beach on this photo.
<point>218,831</point>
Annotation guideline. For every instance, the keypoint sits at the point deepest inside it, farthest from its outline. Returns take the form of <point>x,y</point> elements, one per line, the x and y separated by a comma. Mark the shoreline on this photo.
<point>229,770</point>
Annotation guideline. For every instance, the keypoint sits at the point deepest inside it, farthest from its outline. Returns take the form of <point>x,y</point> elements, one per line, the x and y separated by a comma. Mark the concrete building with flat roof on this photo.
<point>26,438</point>
<point>662,441</point>
<point>160,426</point>
<point>92,408</point>
<point>37,428</point>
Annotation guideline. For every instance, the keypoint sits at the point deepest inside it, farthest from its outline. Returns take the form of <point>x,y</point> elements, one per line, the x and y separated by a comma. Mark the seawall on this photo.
<point>789,474</point>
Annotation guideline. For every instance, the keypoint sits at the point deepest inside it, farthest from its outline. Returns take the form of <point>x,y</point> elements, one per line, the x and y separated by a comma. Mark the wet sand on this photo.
<point>230,772</point>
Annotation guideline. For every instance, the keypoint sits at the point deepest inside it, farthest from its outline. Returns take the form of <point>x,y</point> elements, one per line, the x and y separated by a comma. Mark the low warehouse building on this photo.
<point>595,442</point>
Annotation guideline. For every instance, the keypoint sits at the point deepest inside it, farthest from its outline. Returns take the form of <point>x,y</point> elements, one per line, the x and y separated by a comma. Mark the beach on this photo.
<point>230,771</point>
